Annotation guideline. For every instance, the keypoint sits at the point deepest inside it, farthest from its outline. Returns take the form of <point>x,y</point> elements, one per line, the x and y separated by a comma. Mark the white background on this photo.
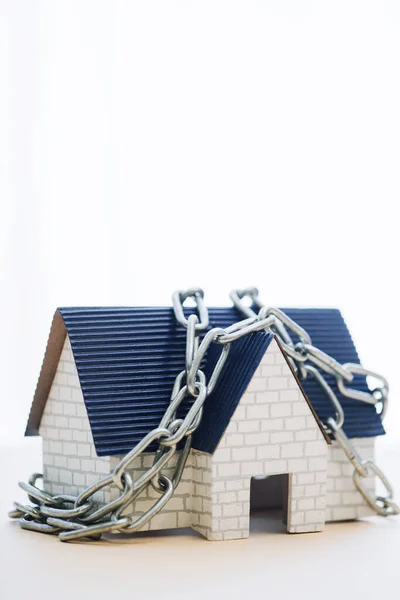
<point>148,146</point>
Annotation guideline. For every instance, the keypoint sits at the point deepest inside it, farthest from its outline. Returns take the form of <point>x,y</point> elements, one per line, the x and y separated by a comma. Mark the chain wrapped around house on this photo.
<point>187,417</point>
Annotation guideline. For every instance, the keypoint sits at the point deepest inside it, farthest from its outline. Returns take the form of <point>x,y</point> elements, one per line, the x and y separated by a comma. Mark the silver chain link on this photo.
<point>75,517</point>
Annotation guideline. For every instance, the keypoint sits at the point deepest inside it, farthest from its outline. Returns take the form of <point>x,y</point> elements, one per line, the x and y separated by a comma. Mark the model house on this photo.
<point>106,381</point>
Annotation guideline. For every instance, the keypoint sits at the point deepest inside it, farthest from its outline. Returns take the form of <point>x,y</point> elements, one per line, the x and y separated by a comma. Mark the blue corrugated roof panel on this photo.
<point>127,360</point>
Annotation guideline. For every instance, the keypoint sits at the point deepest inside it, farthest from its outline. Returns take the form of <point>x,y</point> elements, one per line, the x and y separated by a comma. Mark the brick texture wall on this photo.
<point>70,462</point>
<point>343,501</point>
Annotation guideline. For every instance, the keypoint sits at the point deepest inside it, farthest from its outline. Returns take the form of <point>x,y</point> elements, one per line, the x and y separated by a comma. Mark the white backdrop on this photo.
<point>146,146</point>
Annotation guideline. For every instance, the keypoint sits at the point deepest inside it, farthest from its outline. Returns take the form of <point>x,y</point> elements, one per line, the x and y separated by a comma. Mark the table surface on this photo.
<point>347,560</point>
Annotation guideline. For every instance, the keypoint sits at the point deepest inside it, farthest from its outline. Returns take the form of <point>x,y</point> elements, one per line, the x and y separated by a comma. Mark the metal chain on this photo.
<point>74,517</point>
<point>301,353</point>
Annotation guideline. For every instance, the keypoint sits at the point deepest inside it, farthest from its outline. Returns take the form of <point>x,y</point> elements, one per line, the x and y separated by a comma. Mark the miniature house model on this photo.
<point>106,381</point>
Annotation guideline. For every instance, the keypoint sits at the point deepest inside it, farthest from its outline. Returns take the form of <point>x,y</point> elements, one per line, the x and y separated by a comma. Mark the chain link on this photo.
<point>80,517</point>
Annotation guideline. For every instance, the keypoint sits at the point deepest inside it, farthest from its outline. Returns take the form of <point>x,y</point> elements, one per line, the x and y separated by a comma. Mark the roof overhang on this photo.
<point>51,358</point>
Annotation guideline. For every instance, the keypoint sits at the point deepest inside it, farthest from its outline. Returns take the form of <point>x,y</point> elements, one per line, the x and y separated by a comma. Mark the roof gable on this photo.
<point>127,360</point>
<point>244,358</point>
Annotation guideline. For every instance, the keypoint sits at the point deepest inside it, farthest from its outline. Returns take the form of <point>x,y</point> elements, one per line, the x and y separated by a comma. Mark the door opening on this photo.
<point>268,503</point>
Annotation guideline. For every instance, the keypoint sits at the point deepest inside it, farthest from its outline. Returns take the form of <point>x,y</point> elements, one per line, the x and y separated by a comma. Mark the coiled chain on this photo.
<point>74,517</point>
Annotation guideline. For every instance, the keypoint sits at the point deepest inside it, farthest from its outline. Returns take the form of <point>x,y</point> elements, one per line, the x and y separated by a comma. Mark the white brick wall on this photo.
<point>271,432</point>
<point>343,501</point>
<point>70,462</point>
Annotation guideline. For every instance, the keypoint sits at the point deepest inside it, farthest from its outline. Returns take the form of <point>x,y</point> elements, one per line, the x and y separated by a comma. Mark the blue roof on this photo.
<point>127,360</point>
